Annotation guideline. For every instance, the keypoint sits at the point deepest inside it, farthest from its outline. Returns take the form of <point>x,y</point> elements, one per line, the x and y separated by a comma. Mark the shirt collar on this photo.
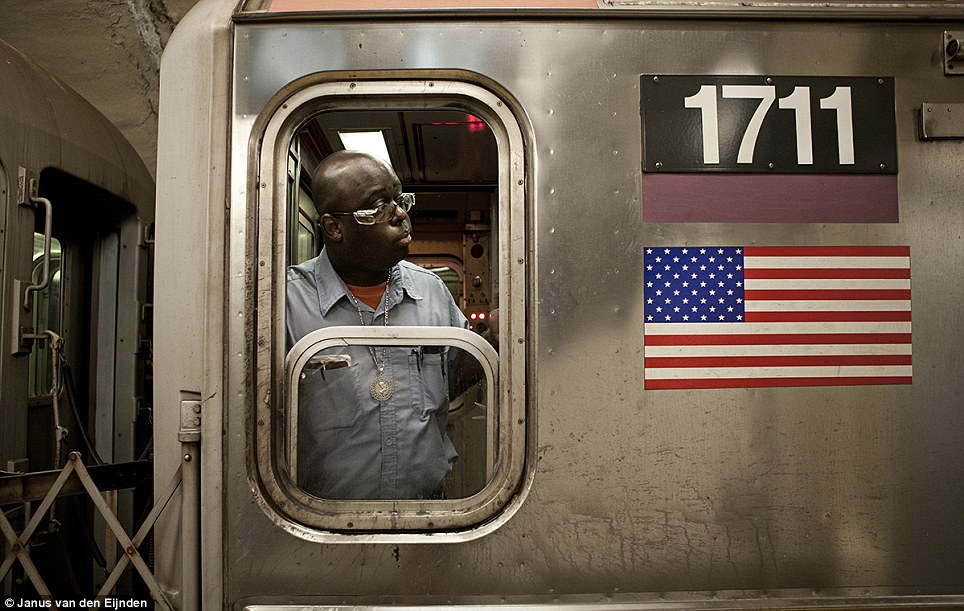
<point>331,288</point>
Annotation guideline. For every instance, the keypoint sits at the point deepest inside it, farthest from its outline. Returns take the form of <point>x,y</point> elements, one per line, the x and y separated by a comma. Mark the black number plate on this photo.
<point>780,124</point>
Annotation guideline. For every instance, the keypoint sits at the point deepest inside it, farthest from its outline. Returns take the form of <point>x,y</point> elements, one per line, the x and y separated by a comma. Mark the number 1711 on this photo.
<point>798,101</point>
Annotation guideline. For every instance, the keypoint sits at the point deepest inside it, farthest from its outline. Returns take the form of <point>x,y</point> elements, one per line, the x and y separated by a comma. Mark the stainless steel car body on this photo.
<point>733,498</point>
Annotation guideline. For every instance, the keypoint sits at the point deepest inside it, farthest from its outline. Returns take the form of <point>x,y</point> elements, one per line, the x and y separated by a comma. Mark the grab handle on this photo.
<point>48,225</point>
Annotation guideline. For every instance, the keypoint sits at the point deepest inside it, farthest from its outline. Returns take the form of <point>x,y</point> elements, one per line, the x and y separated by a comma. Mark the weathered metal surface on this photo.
<point>741,493</point>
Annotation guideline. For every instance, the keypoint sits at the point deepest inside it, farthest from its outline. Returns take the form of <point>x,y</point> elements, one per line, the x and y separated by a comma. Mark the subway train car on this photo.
<point>76,216</point>
<point>722,242</point>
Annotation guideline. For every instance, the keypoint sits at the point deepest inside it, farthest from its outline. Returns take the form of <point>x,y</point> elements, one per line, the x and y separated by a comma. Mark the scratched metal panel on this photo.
<point>850,490</point>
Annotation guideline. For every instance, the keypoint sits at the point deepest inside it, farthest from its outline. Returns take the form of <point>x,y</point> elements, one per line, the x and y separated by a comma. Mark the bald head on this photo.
<point>339,177</point>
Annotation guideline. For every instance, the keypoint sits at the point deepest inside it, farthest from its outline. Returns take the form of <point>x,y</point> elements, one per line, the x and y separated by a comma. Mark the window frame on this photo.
<point>396,520</point>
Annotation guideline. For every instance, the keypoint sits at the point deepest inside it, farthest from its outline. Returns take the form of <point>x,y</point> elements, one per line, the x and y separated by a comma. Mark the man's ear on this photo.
<point>331,227</point>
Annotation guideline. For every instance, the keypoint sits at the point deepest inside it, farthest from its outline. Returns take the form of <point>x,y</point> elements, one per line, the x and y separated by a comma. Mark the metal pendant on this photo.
<point>381,388</point>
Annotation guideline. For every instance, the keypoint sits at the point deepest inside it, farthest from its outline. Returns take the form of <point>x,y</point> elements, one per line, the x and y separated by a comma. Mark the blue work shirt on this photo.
<point>351,446</point>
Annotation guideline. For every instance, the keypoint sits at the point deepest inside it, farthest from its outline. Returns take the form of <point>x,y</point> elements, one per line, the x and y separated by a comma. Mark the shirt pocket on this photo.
<point>430,389</point>
<point>329,399</point>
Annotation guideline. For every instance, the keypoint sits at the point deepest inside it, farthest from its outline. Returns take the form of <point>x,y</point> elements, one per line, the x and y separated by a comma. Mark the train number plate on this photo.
<point>759,124</point>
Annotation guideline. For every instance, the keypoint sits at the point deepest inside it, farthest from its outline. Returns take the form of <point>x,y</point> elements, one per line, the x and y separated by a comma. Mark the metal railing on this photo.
<point>19,543</point>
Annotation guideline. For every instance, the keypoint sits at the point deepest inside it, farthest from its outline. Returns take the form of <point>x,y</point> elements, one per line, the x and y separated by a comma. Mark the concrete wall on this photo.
<point>108,51</point>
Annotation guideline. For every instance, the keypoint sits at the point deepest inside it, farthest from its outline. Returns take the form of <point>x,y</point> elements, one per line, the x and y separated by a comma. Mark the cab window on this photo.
<point>393,412</point>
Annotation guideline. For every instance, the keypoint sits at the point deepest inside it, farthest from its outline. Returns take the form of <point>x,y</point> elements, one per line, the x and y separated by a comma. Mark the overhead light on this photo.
<point>372,143</point>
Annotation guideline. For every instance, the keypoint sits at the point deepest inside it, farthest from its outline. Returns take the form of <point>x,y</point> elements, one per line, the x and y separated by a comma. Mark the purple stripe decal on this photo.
<point>769,198</point>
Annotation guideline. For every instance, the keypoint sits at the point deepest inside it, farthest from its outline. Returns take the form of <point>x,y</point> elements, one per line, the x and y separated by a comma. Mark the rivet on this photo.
<point>187,458</point>
<point>883,166</point>
<point>659,165</point>
<point>655,79</point>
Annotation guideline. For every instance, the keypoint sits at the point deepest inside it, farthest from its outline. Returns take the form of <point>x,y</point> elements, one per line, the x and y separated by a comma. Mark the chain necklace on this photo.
<point>381,387</point>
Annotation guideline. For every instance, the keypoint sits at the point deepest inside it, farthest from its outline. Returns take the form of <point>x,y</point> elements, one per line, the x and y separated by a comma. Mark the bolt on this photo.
<point>187,458</point>
<point>659,165</point>
<point>655,79</point>
<point>131,551</point>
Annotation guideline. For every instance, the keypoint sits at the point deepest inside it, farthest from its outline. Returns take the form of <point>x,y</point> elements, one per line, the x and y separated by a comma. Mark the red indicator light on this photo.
<point>473,316</point>
<point>475,124</point>
<point>482,316</point>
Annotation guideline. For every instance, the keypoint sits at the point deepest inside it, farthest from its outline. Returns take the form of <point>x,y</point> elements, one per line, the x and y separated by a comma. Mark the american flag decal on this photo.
<point>733,317</point>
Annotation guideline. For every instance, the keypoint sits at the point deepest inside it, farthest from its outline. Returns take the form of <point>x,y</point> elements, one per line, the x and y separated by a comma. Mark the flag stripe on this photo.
<point>779,372</point>
<point>839,316</point>
<point>749,328</point>
<point>843,273</point>
<point>827,283</point>
<point>778,361</point>
<point>826,251</point>
<point>828,306</point>
<point>780,338</point>
<point>772,382</point>
<point>828,262</point>
<point>767,295</point>
<point>776,350</point>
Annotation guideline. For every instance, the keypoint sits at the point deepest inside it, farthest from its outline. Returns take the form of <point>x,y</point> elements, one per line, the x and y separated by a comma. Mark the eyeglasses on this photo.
<point>381,213</point>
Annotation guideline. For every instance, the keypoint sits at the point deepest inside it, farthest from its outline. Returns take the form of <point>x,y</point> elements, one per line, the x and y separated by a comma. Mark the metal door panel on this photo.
<point>849,490</point>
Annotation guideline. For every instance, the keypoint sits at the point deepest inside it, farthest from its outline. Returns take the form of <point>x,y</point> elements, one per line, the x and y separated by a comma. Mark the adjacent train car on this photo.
<point>76,215</point>
<point>723,240</point>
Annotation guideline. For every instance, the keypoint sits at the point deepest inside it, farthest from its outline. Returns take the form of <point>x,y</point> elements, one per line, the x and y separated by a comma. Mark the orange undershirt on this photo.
<point>369,295</point>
